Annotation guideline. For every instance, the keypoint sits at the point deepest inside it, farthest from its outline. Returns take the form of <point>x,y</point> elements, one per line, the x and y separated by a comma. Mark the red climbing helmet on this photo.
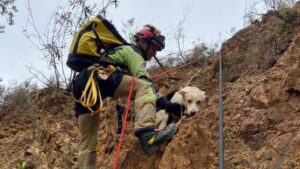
<point>152,35</point>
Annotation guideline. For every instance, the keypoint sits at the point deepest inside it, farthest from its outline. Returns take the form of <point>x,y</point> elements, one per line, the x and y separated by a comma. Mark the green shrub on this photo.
<point>17,94</point>
<point>287,14</point>
<point>202,52</point>
<point>22,164</point>
<point>280,28</point>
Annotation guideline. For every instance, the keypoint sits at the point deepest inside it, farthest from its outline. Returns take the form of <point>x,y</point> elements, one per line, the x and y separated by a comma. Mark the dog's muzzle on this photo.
<point>185,115</point>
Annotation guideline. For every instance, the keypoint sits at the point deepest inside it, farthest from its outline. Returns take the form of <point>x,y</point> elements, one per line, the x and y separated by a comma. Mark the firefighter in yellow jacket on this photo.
<point>148,41</point>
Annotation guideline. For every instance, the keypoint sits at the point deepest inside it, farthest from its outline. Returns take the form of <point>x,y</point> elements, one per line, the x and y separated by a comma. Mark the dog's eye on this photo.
<point>198,102</point>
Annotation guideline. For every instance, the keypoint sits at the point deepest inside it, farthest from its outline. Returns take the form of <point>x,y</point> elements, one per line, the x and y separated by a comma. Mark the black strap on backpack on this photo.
<point>87,29</point>
<point>99,43</point>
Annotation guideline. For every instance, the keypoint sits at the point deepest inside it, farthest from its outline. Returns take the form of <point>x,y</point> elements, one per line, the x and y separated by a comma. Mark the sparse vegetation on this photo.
<point>2,89</point>
<point>279,8</point>
<point>180,38</point>
<point>52,40</point>
<point>16,94</point>
<point>260,101</point>
<point>22,164</point>
<point>279,28</point>
<point>129,30</point>
<point>203,53</point>
<point>7,10</point>
<point>287,14</point>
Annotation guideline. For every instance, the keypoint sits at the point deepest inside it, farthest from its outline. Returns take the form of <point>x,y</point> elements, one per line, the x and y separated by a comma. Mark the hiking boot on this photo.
<point>151,140</point>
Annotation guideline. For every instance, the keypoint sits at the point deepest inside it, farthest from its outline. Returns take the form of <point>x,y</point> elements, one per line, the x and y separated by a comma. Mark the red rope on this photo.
<point>124,123</point>
<point>171,70</point>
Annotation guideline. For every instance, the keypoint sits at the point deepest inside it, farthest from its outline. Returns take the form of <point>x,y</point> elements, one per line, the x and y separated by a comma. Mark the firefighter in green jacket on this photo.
<point>133,58</point>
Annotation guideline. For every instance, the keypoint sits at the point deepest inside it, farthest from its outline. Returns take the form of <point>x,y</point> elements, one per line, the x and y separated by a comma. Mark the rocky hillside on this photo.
<point>261,104</point>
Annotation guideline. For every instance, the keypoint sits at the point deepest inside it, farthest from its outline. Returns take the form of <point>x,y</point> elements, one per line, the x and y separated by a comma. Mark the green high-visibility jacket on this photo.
<point>133,61</point>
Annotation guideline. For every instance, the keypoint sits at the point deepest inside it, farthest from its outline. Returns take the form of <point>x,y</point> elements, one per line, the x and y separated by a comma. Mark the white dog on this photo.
<point>189,98</point>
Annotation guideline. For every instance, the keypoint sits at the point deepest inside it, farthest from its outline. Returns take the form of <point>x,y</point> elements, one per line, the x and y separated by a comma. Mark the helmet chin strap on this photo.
<point>144,51</point>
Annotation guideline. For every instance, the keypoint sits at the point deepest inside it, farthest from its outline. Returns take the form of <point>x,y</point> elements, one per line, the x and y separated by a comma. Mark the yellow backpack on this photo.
<point>95,37</point>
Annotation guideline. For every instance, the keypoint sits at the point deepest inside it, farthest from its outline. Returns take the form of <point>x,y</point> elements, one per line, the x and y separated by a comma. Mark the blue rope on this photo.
<point>221,142</point>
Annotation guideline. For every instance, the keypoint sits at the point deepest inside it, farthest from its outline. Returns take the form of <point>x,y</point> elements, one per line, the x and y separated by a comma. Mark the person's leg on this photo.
<point>144,100</point>
<point>89,124</point>
<point>145,114</point>
<point>88,127</point>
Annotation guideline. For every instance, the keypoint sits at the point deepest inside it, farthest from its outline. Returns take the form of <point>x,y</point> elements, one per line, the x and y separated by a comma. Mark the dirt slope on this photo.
<point>261,102</point>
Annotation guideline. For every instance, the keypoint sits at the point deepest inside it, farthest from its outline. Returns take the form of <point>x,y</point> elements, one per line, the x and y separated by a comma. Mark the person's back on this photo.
<point>130,58</point>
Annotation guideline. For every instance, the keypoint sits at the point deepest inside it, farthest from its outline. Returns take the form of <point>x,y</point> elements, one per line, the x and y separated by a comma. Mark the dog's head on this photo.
<point>190,98</point>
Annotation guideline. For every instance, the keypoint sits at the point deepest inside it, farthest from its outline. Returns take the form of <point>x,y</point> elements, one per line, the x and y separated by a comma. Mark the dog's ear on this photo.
<point>170,95</point>
<point>204,94</point>
<point>182,93</point>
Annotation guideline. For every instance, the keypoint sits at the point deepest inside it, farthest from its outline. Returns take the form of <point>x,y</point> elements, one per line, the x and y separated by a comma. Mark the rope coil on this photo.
<point>91,92</point>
